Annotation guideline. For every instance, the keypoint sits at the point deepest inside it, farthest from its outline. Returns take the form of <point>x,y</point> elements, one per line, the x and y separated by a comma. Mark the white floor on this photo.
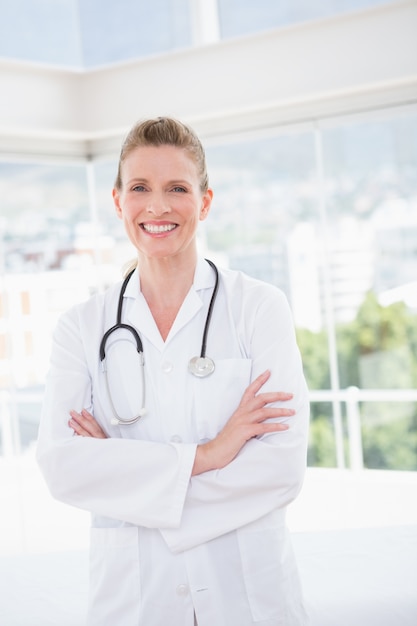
<point>355,535</point>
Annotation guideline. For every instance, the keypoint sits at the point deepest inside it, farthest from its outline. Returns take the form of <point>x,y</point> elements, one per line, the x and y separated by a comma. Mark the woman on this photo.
<point>187,471</point>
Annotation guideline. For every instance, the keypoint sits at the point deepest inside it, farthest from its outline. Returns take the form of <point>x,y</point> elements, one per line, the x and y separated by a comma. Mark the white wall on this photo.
<point>354,62</point>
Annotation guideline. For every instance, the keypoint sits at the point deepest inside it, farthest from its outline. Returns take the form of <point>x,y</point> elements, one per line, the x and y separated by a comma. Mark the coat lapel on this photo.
<point>138,314</point>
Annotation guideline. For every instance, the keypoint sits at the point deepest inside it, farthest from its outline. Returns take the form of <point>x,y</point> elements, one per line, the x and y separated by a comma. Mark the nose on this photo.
<point>158,205</point>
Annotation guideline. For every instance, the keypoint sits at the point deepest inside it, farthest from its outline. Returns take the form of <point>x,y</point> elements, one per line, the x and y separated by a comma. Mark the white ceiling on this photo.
<point>356,62</point>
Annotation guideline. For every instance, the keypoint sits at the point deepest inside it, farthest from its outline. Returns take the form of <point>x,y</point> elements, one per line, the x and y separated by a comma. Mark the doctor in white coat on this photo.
<point>187,476</point>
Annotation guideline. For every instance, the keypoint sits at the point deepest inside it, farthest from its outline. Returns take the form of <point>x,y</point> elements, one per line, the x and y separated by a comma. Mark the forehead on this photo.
<point>148,161</point>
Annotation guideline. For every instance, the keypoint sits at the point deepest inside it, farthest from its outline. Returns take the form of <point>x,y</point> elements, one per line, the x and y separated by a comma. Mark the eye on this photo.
<point>179,189</point>
<point>138,188</point>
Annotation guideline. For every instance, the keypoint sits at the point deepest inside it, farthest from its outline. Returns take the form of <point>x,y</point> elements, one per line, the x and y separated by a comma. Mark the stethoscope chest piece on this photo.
<point>201,366</point>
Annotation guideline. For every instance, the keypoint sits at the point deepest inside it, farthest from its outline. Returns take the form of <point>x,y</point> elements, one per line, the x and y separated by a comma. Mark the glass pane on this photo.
<point>242,17</point>
<point>321,445</point>
<point>389,433</point>
<point>371,178</point>
<point>127,29</point>
<point>371,187</point>
<point>47,264</point>
<point>91,32</point>
<point>264,219</point>
<point>114,249</point>
<point>45,31</point>
<point>44,212</point>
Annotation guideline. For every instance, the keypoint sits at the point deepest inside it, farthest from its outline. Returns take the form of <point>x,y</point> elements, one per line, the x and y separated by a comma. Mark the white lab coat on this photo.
<point>164,545</point>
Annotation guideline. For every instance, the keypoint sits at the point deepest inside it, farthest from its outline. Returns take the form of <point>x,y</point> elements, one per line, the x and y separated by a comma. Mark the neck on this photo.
<point>164,285</point>
<point>166,279</point>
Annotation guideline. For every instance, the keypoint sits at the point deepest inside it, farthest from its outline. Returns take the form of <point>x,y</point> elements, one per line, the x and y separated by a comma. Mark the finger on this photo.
<point>78,429</point>
<point>261,399</point>
<point>88,416</point>
<point>255,386</point>
<point>87,424</point>
<point>81,419</point>
<point>275,396</point>
<point>269,427</point>
<point>262,428</point>
<point>271,413</point>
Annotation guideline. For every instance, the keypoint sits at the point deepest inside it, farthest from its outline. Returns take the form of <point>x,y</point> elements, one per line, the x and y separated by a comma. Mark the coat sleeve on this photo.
<point>99,475</point>
<point>268,472</point>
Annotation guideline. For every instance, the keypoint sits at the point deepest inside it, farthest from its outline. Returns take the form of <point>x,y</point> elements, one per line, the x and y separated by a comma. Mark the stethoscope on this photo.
<point>200,366</point>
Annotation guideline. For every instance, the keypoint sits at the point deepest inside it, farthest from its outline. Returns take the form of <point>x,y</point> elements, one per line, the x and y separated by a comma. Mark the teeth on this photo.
<point>154,228</point>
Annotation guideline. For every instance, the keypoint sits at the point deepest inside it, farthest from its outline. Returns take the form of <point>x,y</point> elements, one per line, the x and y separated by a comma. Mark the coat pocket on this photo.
<point>270,576</point>
<point>217,396</point>
<point>115,592</point>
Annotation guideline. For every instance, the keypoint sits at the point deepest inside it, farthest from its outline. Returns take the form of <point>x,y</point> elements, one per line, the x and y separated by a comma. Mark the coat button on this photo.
<point>176,439</point>
<point>167,367</point>
<point>182,590</point>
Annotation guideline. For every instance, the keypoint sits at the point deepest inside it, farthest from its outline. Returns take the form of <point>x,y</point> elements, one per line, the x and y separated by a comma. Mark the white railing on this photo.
<point>352,397</point>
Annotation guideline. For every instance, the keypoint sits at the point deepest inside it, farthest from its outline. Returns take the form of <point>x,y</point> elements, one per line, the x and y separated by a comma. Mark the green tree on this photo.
<point>377,350</point>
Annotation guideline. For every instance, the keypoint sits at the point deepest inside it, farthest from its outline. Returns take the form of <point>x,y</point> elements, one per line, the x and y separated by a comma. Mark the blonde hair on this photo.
<point>164,131</point>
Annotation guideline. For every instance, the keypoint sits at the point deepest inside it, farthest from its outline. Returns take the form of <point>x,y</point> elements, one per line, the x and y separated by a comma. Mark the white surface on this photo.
<point>354,534</point>
<point>359,577</point>
<point>350,577</point>
<point>44,589</point>
<point>341,499</point>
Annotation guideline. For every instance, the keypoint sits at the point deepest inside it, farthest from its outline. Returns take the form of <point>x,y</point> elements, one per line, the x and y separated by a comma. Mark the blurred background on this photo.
<point>308,111</point>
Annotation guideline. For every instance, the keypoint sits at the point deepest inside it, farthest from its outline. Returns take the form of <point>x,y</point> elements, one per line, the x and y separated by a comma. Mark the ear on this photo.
<point>116,200</point>
<point>206,204</point>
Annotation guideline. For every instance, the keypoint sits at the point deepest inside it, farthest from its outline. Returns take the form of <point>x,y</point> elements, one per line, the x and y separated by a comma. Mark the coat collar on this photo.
<point>139,315</point>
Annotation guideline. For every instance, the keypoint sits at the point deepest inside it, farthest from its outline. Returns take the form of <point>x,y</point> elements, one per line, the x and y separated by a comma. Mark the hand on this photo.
<point>85,425</point>
<point>249,420</point>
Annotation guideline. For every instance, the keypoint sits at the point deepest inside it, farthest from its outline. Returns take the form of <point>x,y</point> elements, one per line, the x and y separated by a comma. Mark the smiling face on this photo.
<point>160,201</point>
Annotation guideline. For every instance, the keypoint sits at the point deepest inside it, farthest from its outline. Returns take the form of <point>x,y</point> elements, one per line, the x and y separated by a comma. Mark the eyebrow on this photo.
<point>176,181</point>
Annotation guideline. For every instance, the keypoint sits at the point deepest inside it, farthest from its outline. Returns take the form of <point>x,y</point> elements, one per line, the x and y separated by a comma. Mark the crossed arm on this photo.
<point>251,419</point>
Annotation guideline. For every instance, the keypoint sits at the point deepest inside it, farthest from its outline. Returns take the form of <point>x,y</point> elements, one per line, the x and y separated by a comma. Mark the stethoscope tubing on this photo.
<point>210,310</point>
<point>200,366</point>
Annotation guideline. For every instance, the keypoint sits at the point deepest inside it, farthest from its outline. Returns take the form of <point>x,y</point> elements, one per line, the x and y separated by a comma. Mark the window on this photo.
<point>43,31</point>
<point>244,17</point>
<point>91,33</point>
<point>118,31</point>
<point>87,33</point>
<point>44,209</point>
<point>370,171</point>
